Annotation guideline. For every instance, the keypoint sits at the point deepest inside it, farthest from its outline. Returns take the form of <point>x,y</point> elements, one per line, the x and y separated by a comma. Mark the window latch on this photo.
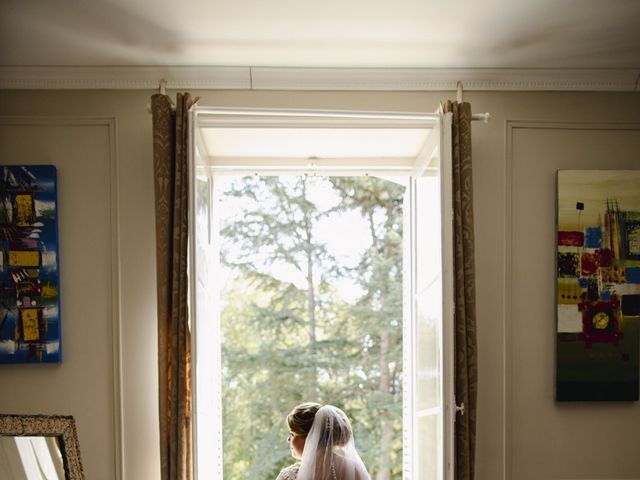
<point>460,409</point>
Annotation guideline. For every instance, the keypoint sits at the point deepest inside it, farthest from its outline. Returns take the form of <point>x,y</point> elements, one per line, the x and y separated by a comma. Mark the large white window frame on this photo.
<point>434,156</point>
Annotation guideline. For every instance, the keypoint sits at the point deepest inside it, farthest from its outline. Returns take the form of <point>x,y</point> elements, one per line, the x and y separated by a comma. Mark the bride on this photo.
<point>322,439</point>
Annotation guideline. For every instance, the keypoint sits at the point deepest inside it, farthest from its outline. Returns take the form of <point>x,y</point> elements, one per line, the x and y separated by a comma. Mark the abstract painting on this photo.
<point>29,265</point>
<point>598,285</point>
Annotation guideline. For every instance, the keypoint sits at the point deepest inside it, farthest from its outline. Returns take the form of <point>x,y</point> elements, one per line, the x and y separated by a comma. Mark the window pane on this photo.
<point>311,310</point>
<point>428,448</point>
<point>428,369</point>
<point>428,351</point>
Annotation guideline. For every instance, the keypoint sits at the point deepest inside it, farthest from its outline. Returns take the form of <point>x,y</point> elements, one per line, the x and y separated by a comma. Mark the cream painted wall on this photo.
<point>83,384</point>
<point>522,432</point>
<point>538,151</point>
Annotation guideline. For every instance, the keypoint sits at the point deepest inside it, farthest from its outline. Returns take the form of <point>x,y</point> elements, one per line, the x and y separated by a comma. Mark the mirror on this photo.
<point>39,447</point>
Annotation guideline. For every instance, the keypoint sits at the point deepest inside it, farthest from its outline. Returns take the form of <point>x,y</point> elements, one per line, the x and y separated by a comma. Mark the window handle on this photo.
<point>460,408</point>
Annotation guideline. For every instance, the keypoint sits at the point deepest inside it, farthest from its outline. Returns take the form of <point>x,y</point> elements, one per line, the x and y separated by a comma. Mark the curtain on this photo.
<point>171,178</point>
<point>466,368</point>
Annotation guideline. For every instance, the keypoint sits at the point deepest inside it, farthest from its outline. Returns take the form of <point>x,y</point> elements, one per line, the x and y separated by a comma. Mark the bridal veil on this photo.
<point>329,450</point>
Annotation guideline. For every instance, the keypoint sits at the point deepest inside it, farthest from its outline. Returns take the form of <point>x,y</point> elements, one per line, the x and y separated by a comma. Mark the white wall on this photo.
<point>522,432</point>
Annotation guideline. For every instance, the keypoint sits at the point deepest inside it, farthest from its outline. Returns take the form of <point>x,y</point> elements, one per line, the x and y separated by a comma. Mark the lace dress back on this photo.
<point>291,473</point>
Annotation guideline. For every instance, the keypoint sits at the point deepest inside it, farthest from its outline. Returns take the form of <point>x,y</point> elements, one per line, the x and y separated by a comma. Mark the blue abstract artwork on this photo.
<point>29,265</point>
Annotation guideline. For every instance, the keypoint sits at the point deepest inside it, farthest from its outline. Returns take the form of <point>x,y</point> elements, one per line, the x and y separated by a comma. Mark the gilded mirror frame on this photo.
<point>62,427</point>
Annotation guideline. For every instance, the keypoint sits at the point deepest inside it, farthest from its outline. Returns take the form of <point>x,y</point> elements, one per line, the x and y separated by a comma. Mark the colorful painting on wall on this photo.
<point>598,285</point>
<point>29,266</point>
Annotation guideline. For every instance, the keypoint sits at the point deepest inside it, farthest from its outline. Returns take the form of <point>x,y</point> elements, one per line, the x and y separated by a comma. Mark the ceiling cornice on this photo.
<point>277,78</point>
<point>124,78</point>
<point>420,79</point>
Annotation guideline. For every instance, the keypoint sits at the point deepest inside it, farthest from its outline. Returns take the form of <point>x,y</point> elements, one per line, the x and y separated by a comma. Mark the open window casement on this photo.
<point>415,150</point>
<point>429,412</point>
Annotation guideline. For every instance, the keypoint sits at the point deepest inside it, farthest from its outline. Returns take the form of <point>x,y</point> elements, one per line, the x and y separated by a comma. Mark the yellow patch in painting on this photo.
<point>49,291</point>
<point>33,273</point>
<point>24,213</point>
<point>569,291</point>
<point>18,258</point>
<point>600,320</point>
<point>30,329</point>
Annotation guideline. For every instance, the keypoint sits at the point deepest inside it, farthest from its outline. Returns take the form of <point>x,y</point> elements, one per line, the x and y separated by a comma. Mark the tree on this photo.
<point>289,336</point>
<point>380,203</point>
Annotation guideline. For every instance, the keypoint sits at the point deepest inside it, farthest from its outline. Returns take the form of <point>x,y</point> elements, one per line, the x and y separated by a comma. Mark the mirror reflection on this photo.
<point>31,458</point>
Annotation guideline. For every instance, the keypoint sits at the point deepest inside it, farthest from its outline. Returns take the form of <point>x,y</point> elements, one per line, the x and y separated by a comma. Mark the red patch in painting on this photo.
<point>589,264</point>
<point>604,257</point>
<point>571,239</point>
<point>600,322</point>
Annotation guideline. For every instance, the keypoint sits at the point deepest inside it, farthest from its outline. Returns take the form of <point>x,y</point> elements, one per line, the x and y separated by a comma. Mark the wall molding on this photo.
<point>116,296</point>
<point>331,79</point>
<point>508,344</point>
<point>115,313</point>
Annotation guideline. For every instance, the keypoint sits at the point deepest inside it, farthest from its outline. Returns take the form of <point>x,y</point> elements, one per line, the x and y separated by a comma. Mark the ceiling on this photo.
<point>329,33</point>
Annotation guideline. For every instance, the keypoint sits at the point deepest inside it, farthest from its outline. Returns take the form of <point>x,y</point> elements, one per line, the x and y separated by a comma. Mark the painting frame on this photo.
<point>597,285</point>
<point>30,320</point>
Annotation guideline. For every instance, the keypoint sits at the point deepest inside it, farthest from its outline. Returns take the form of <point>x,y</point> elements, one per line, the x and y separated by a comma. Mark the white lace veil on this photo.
<point>330,447</point>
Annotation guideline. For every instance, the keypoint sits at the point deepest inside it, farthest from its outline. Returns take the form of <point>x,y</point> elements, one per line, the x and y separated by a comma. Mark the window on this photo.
<point>339,146</point>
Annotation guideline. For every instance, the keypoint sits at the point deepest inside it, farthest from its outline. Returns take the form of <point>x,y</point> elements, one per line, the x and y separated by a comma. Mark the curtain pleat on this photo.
<point>171,175</point>
<point>466,368</point>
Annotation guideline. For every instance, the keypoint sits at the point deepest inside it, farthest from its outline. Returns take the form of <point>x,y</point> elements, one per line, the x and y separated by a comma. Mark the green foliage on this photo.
<point>288,334</point>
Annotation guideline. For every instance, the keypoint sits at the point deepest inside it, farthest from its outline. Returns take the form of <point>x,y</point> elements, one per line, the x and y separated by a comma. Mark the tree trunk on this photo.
<point>312,379</point>
<point>312,389</point>
<point>384,460</point>
<point>385,387</point>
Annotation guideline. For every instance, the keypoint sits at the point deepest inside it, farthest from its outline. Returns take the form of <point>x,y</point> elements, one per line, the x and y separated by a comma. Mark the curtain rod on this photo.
<point>485,117</point>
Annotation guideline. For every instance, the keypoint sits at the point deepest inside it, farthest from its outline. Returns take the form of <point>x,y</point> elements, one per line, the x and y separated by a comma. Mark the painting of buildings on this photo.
<point>29,266</point>
<point>598,285</point>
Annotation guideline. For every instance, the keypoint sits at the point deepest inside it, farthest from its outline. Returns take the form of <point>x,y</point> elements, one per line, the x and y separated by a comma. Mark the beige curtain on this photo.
<point>171,175</point>
<point>466,368</point>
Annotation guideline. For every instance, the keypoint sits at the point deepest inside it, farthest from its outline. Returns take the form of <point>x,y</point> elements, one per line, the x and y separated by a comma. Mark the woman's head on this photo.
<point>330,425</point>
<point>300,421</point>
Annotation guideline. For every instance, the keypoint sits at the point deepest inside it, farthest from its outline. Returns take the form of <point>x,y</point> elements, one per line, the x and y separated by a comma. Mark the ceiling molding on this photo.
<point>124,78</point>
<point>276,78</point>
<point>436,79</point>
